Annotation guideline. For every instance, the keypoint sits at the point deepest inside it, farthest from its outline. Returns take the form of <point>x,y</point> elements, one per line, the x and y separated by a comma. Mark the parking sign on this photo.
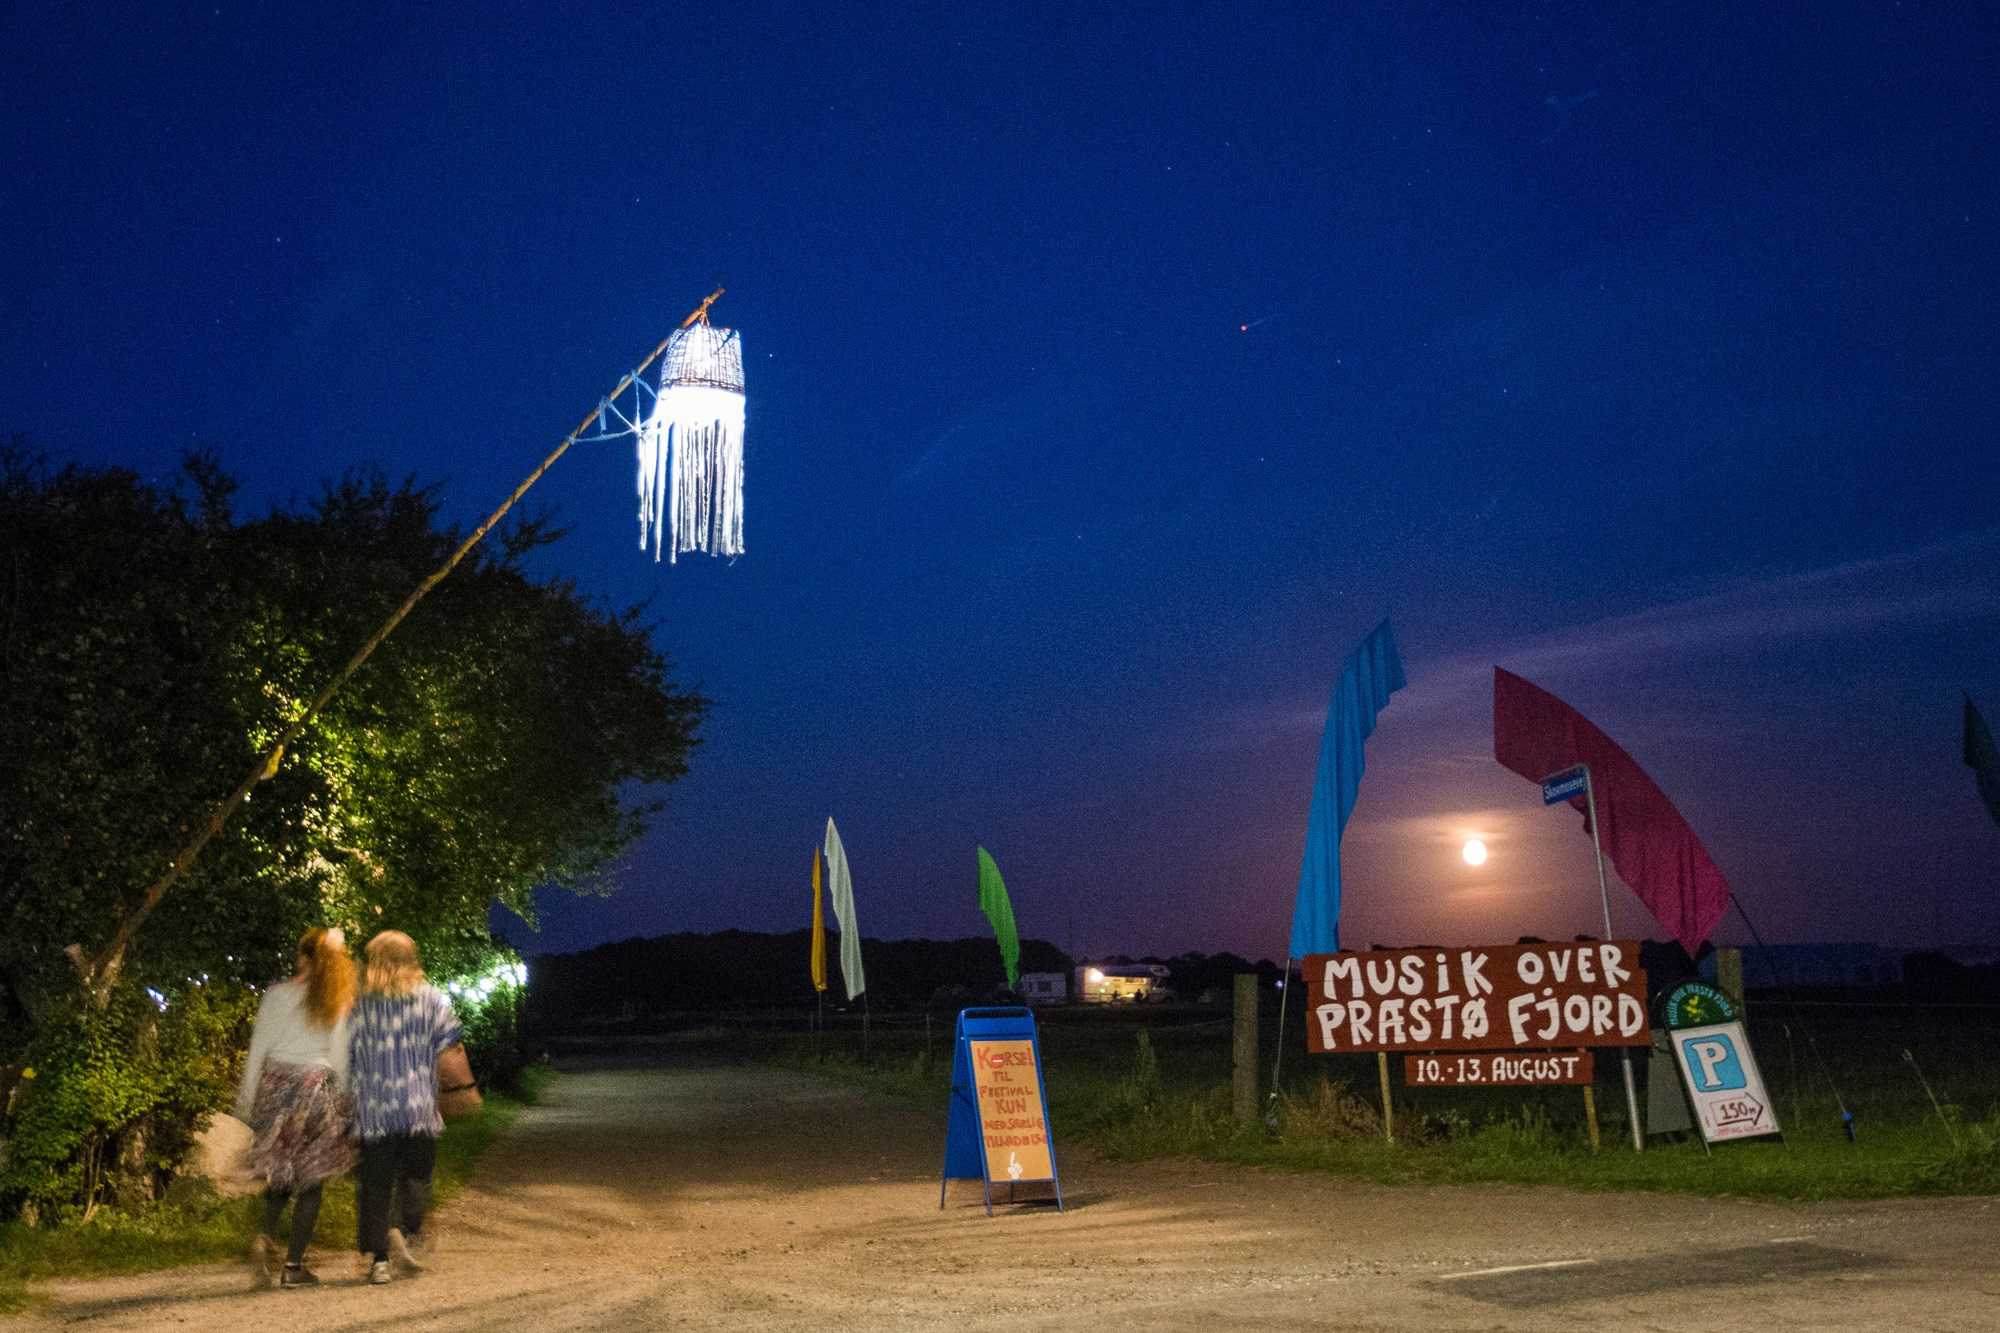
<point>1723,1084</point>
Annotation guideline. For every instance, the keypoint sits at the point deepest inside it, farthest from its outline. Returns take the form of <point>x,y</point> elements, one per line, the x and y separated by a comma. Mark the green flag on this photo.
<point>993,902</point>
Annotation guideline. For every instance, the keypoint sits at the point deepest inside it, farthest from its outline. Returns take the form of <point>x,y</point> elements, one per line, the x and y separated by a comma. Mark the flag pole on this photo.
<point>1277,1064</point>
<point>1604,894</point>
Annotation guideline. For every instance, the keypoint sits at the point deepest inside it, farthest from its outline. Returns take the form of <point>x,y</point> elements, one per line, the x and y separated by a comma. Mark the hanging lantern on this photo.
<point>691,447</point>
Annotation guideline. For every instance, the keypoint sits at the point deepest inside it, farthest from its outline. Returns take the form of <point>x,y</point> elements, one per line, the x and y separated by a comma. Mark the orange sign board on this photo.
<point>1011,1120</point>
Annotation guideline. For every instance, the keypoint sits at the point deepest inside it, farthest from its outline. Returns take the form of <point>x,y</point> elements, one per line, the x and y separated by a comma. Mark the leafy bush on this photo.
<point>487,999</point>
<point>493,1039</point>
<point>110,1099</point>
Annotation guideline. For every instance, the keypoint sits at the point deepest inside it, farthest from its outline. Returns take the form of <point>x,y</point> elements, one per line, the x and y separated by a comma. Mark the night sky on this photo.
<point>1645,350</point>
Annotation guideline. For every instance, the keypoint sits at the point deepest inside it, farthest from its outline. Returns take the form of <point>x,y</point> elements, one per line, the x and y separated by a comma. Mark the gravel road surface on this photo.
<point>689,1194</point>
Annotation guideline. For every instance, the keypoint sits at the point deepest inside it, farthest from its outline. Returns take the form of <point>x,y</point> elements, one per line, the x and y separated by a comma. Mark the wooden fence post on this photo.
<point>1729,975</point>
<point>1244,1083</point>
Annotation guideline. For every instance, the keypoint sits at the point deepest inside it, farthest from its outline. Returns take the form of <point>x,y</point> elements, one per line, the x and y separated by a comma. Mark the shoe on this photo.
<point>298,1276</point>
<point>265,1261</point>
<point>378,1273</point>
<point>406,1263</point>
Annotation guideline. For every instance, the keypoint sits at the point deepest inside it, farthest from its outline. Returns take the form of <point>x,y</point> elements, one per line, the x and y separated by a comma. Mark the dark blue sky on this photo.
<point>1643,350</point>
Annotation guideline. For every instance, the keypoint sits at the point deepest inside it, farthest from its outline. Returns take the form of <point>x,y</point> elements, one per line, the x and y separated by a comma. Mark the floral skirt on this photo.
<point>305,1127</point>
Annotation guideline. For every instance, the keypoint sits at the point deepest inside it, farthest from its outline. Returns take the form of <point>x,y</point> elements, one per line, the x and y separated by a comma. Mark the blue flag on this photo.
<point>1373,672</point>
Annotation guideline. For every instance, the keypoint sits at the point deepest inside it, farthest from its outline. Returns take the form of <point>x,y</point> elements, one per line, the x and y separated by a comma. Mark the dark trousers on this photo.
<point>305,1216</point>
<point>395,1178</point>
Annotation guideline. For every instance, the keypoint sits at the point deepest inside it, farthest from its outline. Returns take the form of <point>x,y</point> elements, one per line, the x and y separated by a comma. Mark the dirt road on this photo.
<point>685,1195</point>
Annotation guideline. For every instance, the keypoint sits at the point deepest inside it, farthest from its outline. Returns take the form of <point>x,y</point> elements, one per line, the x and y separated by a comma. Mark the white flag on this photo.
<point>841,886</point>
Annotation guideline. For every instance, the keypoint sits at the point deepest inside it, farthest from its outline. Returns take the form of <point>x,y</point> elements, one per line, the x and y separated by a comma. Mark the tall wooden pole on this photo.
<point>1388,1104</point>
<point>101,972</point>
<point>1244,1072</point>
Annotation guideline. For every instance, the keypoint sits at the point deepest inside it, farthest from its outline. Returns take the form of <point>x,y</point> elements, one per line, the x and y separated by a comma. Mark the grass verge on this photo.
<point>197,1227</point>
<point>1134,1092</point>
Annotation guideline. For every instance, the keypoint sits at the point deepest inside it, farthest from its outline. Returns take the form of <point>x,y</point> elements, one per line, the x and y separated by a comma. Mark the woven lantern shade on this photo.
<point>691,447</point>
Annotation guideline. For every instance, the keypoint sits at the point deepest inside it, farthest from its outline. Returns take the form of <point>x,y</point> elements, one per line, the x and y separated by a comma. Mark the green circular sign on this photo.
<point>1694,1004</point>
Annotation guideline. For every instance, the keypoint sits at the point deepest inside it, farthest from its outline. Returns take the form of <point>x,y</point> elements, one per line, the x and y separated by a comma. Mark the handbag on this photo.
<point>457,1091</point>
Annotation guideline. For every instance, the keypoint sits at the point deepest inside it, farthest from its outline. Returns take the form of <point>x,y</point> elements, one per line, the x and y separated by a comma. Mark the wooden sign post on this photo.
<point>1515,1015</point>
<point>1509,997</point>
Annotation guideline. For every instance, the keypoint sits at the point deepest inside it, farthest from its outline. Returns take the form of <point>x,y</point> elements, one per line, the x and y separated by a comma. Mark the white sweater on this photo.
<point>285,1033</point>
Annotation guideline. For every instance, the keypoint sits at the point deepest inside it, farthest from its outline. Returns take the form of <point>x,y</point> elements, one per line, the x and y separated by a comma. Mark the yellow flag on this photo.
<point>819,931</point>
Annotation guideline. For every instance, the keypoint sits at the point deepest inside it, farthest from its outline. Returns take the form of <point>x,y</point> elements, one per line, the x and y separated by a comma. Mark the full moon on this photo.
<point>1474,852</point>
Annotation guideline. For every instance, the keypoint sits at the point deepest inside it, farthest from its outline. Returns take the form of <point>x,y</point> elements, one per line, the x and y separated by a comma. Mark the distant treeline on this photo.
<point>656,980</point>
<point>635,980</point>
<point>1934,976</point>
<point>642,981</point>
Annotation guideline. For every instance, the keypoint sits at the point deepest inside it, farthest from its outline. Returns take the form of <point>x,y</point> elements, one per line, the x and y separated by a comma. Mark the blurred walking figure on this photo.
<point>295,1096</point>
<point>399,1028</point>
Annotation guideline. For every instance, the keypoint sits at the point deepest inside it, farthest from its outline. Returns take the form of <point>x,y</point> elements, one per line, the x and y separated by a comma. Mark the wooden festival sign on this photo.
<point>1488,998</point>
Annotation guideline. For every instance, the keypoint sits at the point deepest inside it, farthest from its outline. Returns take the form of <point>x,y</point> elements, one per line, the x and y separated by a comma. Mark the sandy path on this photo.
<point>697,1195</point>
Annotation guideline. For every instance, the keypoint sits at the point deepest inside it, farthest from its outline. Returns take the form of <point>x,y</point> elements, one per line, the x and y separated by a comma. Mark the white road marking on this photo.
<point>1516,1268</point>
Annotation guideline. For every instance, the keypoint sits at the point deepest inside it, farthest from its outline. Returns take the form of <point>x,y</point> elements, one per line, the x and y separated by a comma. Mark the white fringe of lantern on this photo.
<point>691,448</point>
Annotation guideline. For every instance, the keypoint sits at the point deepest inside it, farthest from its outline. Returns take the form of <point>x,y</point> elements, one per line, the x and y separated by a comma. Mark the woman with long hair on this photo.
<point>401,1025</point>
<point>294,1094</point>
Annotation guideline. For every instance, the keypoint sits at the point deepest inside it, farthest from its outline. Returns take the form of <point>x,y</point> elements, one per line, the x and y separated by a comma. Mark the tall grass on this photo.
<point>1135,1084</point>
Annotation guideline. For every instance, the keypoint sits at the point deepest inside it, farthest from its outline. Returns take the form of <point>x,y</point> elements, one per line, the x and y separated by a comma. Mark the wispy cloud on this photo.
<point>1953,580</point>
<point>1450,827</point>
<point>1948,580</point>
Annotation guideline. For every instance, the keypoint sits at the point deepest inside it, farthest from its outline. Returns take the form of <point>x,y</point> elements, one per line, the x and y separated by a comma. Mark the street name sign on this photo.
<point>1564,786</point>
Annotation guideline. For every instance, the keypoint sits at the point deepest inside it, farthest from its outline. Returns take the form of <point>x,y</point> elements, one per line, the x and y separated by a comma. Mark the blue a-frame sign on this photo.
<point>966,1155</point>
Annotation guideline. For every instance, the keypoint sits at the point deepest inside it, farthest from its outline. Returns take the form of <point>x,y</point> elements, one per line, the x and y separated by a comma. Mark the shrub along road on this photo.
<point>685,1193</point>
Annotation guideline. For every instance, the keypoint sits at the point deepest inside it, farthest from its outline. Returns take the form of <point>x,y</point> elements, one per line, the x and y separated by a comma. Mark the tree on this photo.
<point>120,707</point>
<point>151,646</point>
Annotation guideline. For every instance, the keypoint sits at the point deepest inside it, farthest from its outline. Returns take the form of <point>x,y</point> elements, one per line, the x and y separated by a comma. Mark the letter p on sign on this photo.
<point>1718,1068</point>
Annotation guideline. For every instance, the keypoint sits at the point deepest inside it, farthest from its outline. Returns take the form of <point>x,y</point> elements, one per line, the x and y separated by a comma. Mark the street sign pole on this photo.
<point>1604,895</point>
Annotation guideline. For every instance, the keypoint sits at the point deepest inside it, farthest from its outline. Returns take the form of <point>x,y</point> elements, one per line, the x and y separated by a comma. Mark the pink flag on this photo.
<point>1654,851</point>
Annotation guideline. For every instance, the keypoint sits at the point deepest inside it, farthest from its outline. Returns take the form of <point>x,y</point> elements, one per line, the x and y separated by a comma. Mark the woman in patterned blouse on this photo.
<point>398,1029</point>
